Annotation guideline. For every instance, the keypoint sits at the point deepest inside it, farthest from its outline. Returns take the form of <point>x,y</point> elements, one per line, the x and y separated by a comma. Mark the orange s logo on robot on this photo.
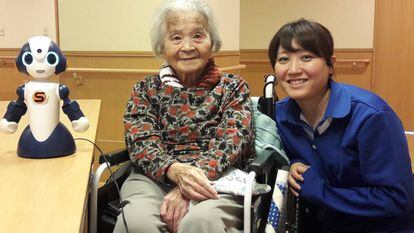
<point>40,97</point>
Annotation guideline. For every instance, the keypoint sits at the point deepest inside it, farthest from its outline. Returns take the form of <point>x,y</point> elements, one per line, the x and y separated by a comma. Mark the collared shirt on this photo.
<point>321,128</point>
<point>360,164</point>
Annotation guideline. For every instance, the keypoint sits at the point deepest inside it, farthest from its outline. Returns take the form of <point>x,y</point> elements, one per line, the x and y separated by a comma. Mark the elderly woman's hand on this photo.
<point>295,175</point>
<point>192,181</point>
<point>173,209</point>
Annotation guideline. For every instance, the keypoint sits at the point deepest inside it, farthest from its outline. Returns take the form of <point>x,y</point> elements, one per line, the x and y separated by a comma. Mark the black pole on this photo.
<point>269,96</point>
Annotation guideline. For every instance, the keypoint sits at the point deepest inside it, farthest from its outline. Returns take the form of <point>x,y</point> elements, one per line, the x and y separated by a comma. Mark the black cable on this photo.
<point>113,178</point>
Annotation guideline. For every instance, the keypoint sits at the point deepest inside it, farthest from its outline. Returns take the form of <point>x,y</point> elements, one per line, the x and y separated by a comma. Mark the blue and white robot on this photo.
<point>45,136</point>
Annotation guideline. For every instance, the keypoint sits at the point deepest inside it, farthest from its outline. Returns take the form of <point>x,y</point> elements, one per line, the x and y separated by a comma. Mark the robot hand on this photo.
<point>81,124</point>
<point>8,126</point>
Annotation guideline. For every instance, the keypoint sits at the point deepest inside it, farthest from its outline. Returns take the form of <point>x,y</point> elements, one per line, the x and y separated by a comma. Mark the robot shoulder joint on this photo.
<point>63,91</point>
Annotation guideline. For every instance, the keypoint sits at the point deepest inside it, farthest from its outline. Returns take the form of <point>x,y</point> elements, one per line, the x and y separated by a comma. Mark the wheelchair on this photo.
<point>104,202</point>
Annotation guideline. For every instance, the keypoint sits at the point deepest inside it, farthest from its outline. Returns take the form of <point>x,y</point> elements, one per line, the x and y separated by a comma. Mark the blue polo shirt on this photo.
<point>360,169</point>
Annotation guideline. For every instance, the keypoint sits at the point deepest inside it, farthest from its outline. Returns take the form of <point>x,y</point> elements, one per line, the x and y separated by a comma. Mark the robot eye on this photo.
<point>52,58</point>
<point>39,51</point>
<point>27,58</point>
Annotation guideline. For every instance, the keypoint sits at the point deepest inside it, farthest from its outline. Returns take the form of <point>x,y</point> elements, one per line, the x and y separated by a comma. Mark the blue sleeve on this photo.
<point>387,184</point>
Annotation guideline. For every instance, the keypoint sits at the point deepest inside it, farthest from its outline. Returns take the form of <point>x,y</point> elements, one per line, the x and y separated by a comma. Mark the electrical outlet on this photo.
<point>2,31</point>
<point>46,31</point>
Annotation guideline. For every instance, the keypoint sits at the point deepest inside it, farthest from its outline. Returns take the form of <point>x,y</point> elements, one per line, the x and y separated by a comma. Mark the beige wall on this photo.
<point>228,16</point>
<point>350,21</point>
<point>124,25</point>
<point>22,19</point>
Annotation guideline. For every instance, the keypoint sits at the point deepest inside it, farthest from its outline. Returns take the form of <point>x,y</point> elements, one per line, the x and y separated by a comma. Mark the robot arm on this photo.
<point>15,110</point>
<point>71,108</point>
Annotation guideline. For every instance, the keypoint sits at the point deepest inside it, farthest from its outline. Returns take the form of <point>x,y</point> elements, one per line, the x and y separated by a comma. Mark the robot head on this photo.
<point>40,58</point>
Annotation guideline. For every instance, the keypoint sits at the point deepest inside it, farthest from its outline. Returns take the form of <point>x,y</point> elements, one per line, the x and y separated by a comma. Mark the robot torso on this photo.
<point>43,101</point>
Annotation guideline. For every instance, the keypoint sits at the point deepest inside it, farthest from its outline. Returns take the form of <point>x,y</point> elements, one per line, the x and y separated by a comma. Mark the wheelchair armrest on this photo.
<point>266,161</point>
<point>115,158</point>
<point>266,165</point>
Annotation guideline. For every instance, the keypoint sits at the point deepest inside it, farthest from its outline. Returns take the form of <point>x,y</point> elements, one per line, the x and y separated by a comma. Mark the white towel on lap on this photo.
<point>234,180</point>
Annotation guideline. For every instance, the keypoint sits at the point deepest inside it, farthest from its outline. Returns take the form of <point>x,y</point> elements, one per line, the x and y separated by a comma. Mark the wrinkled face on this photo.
<point>39,61</point>
<point>301,74</point>
<point>187,44</point>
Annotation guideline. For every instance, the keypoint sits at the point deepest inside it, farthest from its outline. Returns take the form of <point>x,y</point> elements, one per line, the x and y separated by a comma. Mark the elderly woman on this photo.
<point>184,127</point>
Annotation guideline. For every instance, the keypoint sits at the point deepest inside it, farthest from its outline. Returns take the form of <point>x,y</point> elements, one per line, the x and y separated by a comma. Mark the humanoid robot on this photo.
<point>45,136</point>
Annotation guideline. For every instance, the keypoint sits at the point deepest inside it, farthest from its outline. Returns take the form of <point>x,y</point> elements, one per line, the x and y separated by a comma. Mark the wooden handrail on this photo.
<point>353,62</point>
<point>4,60</point>
<point>366,61</point>
<point>409,132</point>
<point>106,70</point>
<point>8,57</point>
<point>238,67</point>
<point>136,71</point>
<point>337,61</point>
<point>254,61</point>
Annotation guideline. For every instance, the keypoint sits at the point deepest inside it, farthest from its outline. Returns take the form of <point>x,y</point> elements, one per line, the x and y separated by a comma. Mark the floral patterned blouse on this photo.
<point>210,128</point>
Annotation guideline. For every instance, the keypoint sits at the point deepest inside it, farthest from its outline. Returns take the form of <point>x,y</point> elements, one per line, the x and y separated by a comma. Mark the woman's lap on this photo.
<point>143,198</point>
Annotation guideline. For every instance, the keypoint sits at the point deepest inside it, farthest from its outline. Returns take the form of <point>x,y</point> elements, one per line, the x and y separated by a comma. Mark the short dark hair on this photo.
<point>311,36</point>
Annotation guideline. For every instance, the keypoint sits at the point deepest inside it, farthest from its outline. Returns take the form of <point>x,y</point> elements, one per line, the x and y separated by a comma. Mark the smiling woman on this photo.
<point>349,155</point>
<point>184,127</point>
<point>187,46</point>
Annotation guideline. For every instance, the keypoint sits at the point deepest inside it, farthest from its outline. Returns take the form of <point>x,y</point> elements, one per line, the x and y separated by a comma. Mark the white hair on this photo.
<point>159,29</point>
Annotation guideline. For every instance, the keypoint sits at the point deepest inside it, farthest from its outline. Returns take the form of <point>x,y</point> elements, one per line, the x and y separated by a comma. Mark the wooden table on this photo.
<point>410,139</point>
<point>46,195</point>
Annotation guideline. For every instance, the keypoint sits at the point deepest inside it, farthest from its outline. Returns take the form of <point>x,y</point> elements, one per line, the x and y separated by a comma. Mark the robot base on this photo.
<point>60,143</point>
